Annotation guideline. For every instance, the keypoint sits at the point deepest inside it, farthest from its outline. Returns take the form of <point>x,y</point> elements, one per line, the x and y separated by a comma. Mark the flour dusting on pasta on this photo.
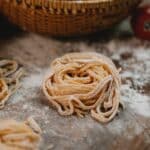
<point>84,82</point>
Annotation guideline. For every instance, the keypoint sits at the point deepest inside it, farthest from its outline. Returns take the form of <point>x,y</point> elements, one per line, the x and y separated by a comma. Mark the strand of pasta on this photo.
<point>84,82</point>
<point>10,74</point>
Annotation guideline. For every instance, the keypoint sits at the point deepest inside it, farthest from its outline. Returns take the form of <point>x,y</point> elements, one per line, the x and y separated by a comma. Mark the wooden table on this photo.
<point>130,130</point>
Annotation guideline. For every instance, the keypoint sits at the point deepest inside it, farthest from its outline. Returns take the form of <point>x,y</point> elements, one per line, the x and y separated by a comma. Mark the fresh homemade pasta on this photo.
<point>84,82</point>
<point>18,135</point>
<point>10,74</point>
<point>4,92</point>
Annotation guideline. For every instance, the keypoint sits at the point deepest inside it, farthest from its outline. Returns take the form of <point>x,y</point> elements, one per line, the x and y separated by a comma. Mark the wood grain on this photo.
<point>128,131</point>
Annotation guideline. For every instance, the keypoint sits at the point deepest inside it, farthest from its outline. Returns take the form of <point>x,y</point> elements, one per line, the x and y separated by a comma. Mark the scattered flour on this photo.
<point>139,72</point>
<point>140,55</point>
<point>30,87</point>
<point>139,103</point>
<point>136,74</point>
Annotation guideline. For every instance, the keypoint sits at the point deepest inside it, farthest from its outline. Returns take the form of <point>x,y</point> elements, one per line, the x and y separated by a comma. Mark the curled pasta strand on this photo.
<point>7,67</point>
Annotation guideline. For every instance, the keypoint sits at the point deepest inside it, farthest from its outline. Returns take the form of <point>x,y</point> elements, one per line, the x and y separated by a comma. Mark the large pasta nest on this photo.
<point>84,82</point>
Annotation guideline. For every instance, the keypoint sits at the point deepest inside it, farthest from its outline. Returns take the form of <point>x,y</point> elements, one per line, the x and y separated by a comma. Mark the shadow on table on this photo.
<point>9,31</point>
<point>101,36</point>
<point>121,31</point>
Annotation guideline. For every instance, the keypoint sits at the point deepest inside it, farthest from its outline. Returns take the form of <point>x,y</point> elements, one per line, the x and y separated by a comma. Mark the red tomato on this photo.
<point>141,22</point>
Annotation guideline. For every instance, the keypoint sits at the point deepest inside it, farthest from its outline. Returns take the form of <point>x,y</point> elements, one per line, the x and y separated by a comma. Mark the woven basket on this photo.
<point>66,17</point>
<point>0,4</point>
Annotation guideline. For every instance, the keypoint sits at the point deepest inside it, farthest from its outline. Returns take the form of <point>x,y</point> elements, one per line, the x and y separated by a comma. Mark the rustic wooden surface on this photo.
<point>130,130</point>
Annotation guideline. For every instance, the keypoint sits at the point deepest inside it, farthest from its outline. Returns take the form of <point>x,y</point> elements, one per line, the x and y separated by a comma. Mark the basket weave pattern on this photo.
<point>66,17</point>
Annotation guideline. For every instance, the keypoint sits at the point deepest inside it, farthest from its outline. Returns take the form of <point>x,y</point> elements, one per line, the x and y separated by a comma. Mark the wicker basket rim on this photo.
<point>71,4</point>
<point>78,2</point>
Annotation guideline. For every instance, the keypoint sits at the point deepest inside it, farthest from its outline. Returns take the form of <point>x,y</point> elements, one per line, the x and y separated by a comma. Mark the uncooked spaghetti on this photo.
<point>18,135</point>
<point>84,82</point>
<point>10,74</point>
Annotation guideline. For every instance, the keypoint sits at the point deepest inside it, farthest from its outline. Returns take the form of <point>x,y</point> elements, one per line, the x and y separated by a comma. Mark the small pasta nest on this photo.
<point>18,135</point>
<point>84,82</point>
<point>10,73</point>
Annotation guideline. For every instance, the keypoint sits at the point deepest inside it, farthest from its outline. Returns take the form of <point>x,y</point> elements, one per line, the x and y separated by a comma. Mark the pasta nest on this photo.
<point>18,135</point>
<point>84,82</point>
<point>10,74</point>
